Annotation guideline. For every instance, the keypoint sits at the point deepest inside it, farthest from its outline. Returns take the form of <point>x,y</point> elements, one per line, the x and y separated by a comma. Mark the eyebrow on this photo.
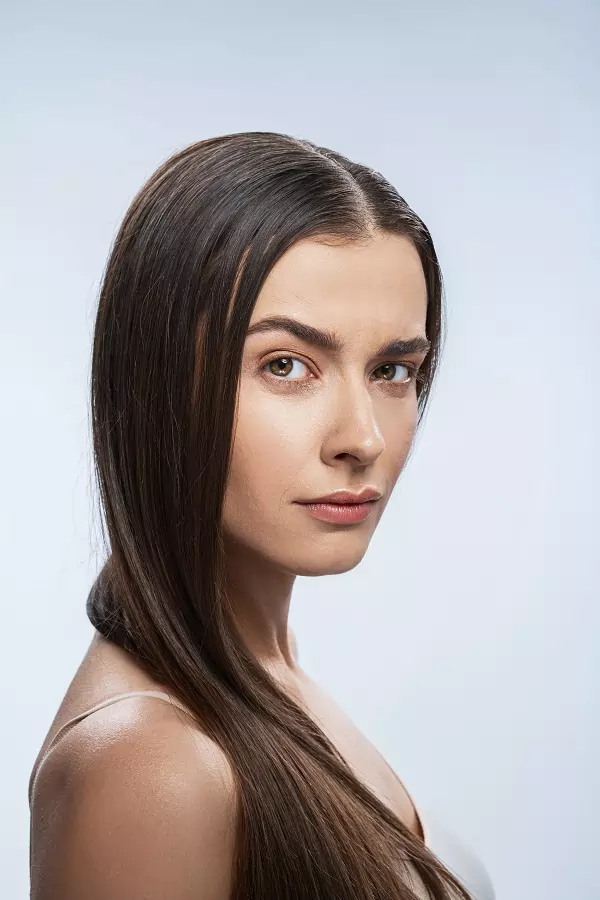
<point>330,341</point>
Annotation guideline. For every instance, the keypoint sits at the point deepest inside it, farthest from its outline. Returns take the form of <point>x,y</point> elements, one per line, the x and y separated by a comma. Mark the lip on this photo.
<point>343,497</point>
<point>340,513</point>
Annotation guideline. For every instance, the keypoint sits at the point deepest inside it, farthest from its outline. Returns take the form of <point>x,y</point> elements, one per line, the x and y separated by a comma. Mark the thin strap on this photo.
<point>162,695</point>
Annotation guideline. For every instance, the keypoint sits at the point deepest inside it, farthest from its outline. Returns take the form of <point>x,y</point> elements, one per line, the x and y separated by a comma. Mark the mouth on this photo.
<point>341,513</point>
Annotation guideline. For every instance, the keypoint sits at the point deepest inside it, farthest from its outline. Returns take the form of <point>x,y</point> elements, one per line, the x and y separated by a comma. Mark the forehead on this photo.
<point>351,287</point>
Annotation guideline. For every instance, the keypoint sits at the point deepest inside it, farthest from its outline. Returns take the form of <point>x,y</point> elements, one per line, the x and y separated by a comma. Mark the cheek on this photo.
<point>275,439</point>
<point>398,429</point>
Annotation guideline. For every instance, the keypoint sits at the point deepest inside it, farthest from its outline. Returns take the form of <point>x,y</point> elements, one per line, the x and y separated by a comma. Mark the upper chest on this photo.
<point>361,754</point>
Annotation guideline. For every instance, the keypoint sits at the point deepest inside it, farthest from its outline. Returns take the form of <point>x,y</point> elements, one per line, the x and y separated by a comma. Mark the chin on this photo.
<point>330,561</point>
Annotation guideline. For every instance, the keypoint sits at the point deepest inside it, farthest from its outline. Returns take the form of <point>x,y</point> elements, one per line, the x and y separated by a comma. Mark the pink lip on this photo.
<point>339,497</point>
<point>340,512</point>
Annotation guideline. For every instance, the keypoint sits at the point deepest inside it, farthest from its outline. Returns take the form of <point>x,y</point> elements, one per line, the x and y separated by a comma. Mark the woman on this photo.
<point>267,335</point>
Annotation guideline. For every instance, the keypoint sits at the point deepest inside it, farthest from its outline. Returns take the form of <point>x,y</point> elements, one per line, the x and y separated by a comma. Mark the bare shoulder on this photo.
<point>134,802</point>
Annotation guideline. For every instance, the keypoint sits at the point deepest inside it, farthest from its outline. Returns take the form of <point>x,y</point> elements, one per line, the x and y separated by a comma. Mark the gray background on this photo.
<point>465,644</point>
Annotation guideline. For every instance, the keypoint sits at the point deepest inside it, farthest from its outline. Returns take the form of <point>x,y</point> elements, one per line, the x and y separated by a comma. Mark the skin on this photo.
<point>331,420</point>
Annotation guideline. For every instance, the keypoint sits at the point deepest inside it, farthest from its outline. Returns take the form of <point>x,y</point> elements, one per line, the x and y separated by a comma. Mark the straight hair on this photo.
<point>180,284</point>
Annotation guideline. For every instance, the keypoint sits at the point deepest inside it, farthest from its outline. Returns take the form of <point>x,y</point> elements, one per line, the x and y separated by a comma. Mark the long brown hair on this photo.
<point>179,288</point>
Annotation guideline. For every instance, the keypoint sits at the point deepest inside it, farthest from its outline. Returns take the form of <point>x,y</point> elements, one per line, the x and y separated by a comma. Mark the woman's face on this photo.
<point>315,418</point>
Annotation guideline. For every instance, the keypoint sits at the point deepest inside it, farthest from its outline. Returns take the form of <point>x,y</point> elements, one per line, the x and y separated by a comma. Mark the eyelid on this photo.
<point>286,355</point>
<point>380,361</point>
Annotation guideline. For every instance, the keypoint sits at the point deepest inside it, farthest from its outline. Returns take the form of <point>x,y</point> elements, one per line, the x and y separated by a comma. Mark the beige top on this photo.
<point>454,854</point>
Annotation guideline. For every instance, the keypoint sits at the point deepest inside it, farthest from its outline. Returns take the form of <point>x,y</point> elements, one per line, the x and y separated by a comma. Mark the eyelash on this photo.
<point>415,374</point>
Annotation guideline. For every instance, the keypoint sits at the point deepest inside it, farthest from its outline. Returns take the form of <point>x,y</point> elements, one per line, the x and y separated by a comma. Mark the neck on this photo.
<point>260,597</point>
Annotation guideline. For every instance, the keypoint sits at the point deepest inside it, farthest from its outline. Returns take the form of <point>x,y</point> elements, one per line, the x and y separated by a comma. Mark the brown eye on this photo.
<point>281,366</point>
<point>389,370</point>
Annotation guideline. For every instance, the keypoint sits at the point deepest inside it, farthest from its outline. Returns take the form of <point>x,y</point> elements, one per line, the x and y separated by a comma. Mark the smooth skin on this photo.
<point>135,801</point>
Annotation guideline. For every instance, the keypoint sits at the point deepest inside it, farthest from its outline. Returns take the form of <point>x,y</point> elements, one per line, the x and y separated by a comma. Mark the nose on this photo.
<point>354,430</point>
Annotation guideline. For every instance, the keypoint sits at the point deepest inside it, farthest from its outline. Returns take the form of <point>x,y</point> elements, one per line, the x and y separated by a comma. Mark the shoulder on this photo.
<point>133,802</point>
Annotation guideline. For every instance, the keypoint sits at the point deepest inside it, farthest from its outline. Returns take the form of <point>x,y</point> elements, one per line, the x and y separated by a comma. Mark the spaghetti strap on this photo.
<point>62,731</point>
